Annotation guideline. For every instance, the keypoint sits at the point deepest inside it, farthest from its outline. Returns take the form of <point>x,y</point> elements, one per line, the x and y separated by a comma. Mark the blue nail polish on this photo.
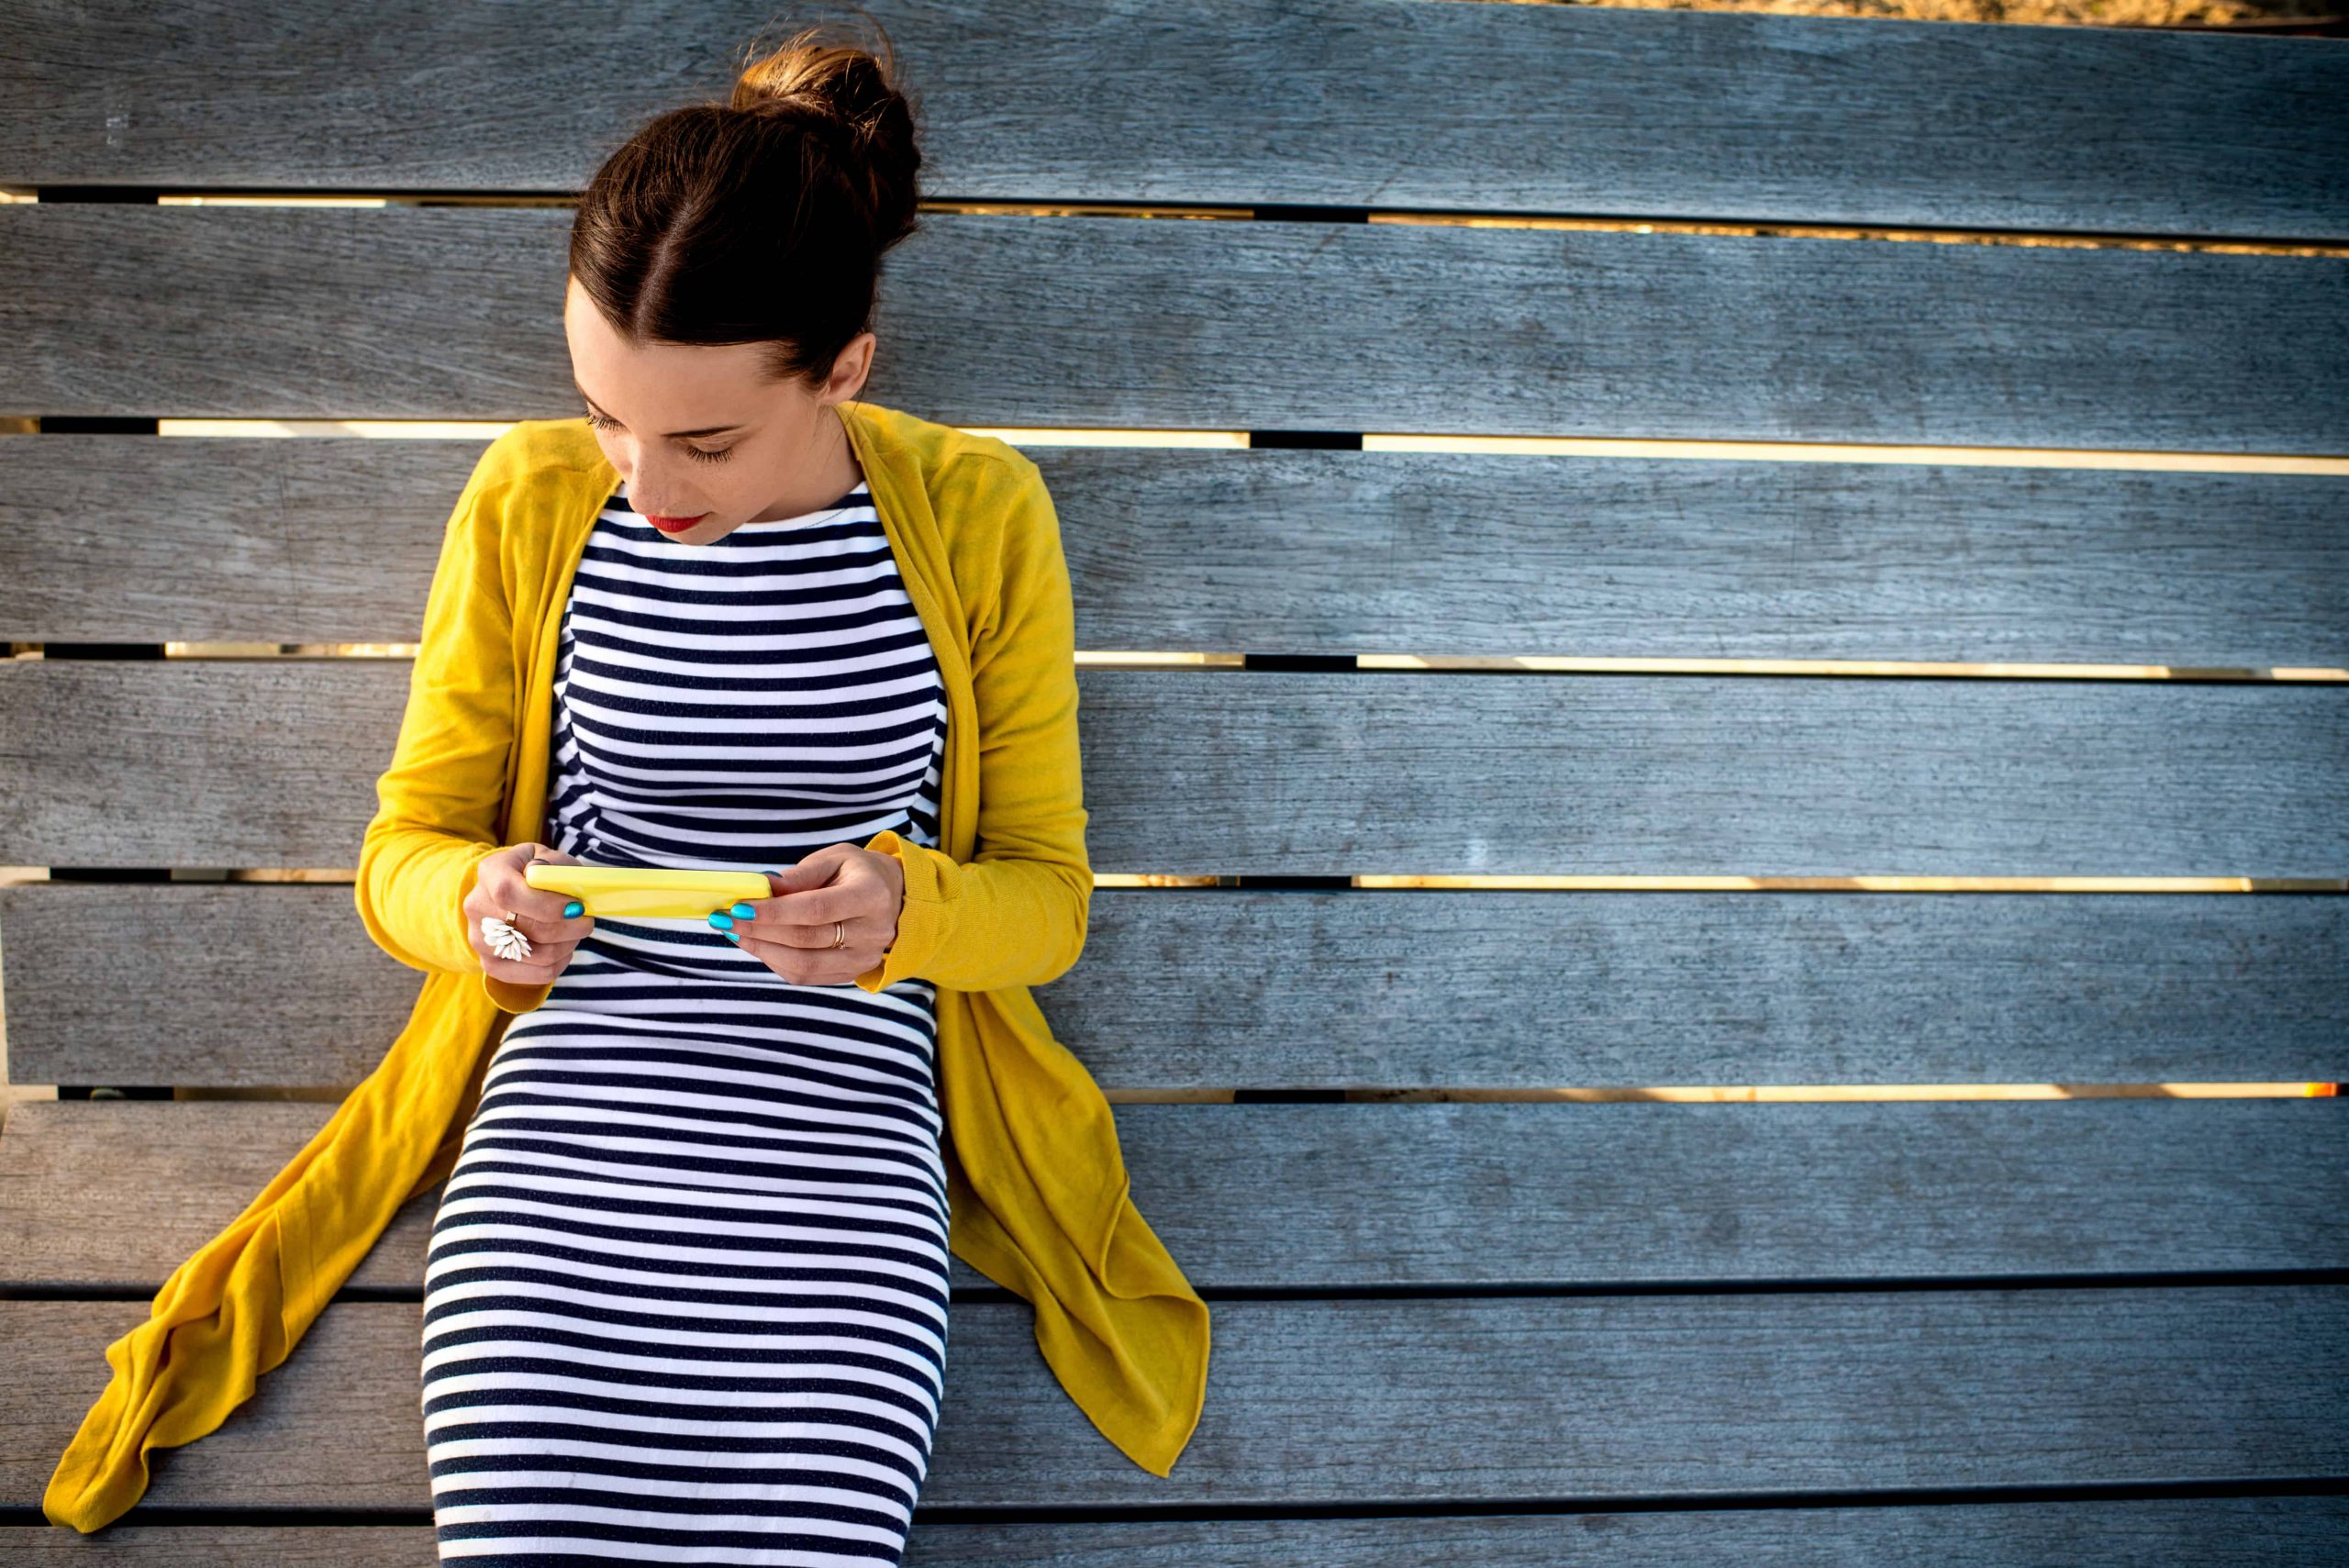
<point>745,911</point>
<point>733,938</point>
<point>574,909</point>
<point>722,922</point>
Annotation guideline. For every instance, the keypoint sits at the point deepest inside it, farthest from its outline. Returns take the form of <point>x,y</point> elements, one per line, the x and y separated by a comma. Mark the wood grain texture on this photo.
<point>334,538</point>
<point>1560,1398</point>
<point>1445,1401</point>
<point>350,313</point>
<point>1304,102</point>
<point>259,985</point>
<point>1204,771</point>
<point>107,1198</point>
<point>2238,1532</point>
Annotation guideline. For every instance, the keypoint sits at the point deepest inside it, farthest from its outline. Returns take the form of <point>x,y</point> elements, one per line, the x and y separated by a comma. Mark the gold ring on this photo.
<point>837,937</point>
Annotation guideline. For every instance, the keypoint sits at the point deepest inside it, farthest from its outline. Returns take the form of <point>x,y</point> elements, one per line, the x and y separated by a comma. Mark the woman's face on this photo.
<point>693,428</point>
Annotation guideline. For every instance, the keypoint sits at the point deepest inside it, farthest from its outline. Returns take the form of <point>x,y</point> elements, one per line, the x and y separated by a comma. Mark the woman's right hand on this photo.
<point>539,914</point>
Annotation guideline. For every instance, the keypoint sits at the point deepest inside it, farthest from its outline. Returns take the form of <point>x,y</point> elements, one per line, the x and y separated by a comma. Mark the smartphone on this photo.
<point>651,893</point>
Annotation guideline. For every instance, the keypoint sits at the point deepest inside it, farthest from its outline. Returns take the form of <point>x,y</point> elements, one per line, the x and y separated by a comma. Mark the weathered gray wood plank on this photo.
<point>227,989</point>
<point>98,1197</point>
<point>2238,1532</point>
<point>1562,1398</point>
<point>333,539</point>
<point>1642,113</point>
<point>342,313</point>
<point>1186,989</point>
<point>1204,771</point>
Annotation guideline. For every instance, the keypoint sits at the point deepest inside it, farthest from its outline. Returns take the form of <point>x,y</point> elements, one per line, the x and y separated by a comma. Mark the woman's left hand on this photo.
<point>791,932</point>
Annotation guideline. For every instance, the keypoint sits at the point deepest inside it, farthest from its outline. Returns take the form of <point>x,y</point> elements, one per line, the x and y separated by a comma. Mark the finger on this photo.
<point>767,916</point>
<point>547,958</point>
<point>851,936</point>
<point>810,939</point>
<point>565,929</point>
<point>817,936</point>
<point>845,900</point>
<point>554,954</point>
<point>526,971</point>
<point>542,932</point>
<point>839,968</point>
<point>813,868</point>
<point>803,966</point>
<point>538,912</point>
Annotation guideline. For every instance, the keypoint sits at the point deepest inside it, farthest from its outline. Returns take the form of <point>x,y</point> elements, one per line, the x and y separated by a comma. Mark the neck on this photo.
<point>835,474</point>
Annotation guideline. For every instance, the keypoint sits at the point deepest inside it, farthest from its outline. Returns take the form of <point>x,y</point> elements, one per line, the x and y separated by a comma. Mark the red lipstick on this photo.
<point>672,525</point>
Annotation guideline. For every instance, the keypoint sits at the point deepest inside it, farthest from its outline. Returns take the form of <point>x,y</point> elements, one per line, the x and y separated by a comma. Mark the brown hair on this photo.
<point>762,219</point>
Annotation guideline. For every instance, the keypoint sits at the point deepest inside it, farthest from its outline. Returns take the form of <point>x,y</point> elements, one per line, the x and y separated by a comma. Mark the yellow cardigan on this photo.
<point>1038,1190</point>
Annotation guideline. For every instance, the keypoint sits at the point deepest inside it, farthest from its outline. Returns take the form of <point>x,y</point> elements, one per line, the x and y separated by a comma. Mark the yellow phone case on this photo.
<point>650,893</point>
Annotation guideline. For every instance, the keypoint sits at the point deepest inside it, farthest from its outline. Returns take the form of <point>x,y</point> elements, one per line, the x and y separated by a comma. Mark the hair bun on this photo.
<point>848,99</point>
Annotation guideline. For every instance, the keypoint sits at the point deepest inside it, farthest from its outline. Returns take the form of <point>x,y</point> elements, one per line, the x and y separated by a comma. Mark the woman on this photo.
<point>688,1280</point>
<point>686,1295</point>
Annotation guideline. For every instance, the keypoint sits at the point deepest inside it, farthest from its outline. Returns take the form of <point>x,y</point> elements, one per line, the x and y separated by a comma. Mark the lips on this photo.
<point>672,525</point>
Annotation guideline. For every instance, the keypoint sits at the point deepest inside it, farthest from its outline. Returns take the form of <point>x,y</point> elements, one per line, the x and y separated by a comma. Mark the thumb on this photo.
<point>815,870</point>
<point>795,879</point>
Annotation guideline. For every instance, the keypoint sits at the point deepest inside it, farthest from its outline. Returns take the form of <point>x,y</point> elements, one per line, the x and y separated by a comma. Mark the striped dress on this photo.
<point>686,1294</point>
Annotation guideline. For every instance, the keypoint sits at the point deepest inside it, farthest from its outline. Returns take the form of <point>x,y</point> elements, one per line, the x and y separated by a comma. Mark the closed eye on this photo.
<point>717,454</point>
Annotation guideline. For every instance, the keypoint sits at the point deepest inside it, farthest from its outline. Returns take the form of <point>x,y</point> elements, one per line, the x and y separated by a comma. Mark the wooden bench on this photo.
<point>1550,1315</point>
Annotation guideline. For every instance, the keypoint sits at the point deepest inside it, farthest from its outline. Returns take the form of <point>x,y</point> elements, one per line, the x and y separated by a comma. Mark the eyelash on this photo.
<point>599,422</point>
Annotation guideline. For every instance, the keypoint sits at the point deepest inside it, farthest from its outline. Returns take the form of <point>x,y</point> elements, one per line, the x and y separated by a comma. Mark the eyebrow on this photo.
<point>673,435</point>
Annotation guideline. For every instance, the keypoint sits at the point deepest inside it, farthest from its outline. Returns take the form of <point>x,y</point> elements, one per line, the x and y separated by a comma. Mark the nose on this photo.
<point>648,491</point>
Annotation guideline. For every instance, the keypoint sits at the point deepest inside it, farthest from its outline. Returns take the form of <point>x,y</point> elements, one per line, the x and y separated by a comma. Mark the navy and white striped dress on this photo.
<point>686,1295</point>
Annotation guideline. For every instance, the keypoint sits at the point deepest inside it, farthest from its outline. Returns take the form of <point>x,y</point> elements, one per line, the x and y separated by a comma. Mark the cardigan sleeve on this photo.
<point>1016,914</point>
<point>437,802</point>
